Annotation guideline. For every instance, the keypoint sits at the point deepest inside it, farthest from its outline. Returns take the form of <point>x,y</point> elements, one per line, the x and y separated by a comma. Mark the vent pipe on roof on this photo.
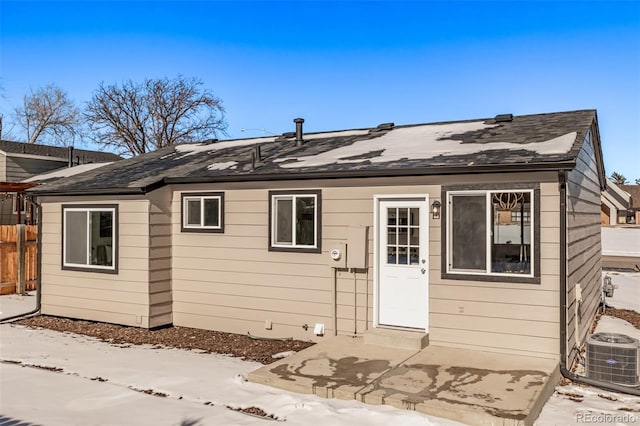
<point>70,156</point>
<point>503,118</point>
<point>299,139</point>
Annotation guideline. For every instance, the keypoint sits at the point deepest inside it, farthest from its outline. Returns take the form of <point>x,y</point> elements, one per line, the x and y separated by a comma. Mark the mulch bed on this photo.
<point>238,345</point>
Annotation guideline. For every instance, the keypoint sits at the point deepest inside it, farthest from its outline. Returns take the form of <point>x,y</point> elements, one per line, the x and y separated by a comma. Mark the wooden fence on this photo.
<point>10,253</point>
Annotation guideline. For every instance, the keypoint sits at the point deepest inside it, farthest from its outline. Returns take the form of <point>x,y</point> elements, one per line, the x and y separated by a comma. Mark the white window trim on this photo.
<point>274,220</point>
<point>488,237</point>
<point>88,265</point>
<point>201,198</point>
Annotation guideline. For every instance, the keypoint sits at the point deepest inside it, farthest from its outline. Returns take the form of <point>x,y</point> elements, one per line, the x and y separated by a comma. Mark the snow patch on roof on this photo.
<point>339,133</point>
<point>66,171</point>
<point>223,166</point>
<point>423,142</point>
<point>195,148</point>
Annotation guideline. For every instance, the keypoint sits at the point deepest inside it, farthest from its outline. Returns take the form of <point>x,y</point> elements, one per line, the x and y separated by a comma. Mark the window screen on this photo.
<point>468,232</point>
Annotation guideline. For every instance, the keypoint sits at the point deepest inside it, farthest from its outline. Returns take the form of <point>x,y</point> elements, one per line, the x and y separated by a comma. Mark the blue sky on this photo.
<point>344,64</point>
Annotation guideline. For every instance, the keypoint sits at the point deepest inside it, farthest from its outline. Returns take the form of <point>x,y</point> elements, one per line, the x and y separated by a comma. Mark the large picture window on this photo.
<point>295,221</point>
<point>89,238</point>
<point>203,212</point>
<point>491,233</point>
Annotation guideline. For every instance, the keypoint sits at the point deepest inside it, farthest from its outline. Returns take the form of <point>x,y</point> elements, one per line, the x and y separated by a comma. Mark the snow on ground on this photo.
<point>192,379</point>
<point>620,241</point>
<point>97,386</point>
<point>627,295</point>
<point>14,304</point>
<point>586,404</point>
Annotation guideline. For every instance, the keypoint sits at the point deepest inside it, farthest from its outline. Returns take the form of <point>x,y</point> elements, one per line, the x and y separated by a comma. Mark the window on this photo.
<point>203,212</point>
<point>490,233</point>
<point>89,238</point>
<point>295,221</point>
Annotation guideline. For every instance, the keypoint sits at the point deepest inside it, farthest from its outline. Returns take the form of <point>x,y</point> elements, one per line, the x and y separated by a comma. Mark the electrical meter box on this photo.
<point>338,255</point>
<point>357,243</point>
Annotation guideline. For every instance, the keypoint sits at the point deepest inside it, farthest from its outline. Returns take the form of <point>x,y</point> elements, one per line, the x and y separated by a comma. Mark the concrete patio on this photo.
<point>468,386</point>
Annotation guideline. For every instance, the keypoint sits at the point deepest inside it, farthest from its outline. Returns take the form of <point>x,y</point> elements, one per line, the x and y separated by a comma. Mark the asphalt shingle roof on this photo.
<point>86,156</point>
<point>547,139</point>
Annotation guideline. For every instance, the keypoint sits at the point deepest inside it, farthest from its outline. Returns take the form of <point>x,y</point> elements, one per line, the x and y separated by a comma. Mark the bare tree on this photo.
<point>136,118</point>
<point>49,115</point>
<point>618,179</point>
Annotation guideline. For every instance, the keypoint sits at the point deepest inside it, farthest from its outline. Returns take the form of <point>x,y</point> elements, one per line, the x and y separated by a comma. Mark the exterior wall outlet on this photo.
<point>268,325</point>
<point>318,330</point>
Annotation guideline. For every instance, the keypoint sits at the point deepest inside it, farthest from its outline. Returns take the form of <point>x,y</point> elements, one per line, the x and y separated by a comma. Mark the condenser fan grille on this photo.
<point>613,358</point>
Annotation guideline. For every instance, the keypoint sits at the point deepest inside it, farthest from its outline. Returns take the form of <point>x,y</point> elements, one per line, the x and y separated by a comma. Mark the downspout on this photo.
<point>39,268</point>
<point>562,178</point>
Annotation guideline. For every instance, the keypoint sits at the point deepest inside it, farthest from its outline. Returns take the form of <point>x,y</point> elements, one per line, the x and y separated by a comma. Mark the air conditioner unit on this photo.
<point>613,358</point>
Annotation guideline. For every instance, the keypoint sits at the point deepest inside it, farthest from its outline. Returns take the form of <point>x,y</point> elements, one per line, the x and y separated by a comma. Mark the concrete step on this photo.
<point>413,340</point>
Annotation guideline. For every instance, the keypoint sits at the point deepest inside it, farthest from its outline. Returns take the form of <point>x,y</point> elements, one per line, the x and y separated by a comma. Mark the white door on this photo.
<point>403,280</point>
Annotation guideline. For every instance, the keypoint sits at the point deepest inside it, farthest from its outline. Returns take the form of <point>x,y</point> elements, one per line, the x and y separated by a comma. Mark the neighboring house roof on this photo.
<point>616,196</point>
<point>634,191</point>
<point>528,142</point>
<point>21,149</point>
<point>65,172</point>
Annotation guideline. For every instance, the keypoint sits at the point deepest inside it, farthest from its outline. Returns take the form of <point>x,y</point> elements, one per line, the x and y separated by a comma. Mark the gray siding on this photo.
<point>19,168</point>
<point>160,299</point>
<point>232,282</point>
<point>584,266</point>
<point>121,298</point>
<point>3,168</point>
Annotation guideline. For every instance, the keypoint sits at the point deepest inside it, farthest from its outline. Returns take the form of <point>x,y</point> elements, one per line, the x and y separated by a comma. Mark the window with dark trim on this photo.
<point>89,238</point>
<point>491,234</point>
<point>294,221</point>
<point>203,212</point>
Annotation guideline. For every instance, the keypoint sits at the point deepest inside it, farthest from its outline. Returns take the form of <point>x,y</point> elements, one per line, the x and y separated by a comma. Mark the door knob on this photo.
<point>423,270</point>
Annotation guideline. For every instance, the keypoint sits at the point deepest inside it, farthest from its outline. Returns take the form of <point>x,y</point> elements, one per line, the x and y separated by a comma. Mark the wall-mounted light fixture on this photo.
<point>435,209</point>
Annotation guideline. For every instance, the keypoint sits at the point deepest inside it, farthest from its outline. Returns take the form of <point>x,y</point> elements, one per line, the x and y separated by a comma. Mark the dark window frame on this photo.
<point>489,277</point>
<point>318,221</point>
<point>115,245</point>
<point>206,230</point>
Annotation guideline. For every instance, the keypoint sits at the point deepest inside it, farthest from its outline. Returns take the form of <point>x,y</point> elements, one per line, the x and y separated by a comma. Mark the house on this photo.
<point>480,234</point>
<point>615,203</point>
<point>20,161</point>
<point>633,212</point>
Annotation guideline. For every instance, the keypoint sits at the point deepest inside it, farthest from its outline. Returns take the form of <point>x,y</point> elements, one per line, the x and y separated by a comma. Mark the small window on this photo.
<point>295,221</point>
<point>490,233</point>
<point>203,212</point>
<point>89,238</point>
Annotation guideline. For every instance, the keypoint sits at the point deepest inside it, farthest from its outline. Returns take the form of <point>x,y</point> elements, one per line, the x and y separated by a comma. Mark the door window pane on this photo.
<point>402,236</point>
<point>391,216</point>
<point>468,232</point>
<point>414,236</point>
<point>403,257</point>
<point>414,253</point>
<point>403,216</point>
<point>392,258</point>
<point>414,217</point>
